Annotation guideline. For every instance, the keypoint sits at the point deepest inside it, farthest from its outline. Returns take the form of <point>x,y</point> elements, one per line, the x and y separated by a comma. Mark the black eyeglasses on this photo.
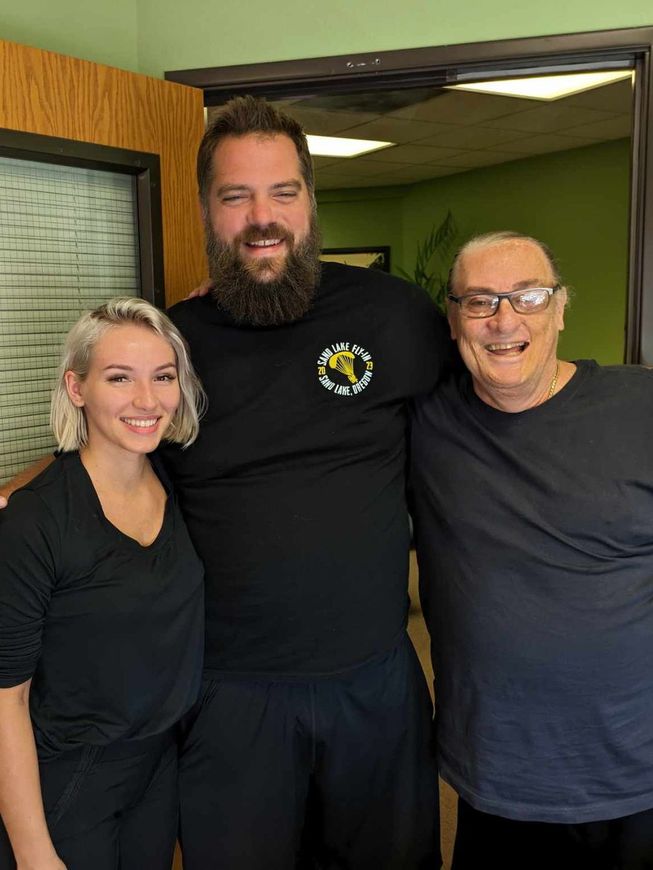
<point>528,301</point>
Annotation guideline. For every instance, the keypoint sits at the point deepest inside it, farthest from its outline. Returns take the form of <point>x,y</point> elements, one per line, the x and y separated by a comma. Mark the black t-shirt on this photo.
<point>535,545</point>
<point>294,491</point>
<point>110,632</point>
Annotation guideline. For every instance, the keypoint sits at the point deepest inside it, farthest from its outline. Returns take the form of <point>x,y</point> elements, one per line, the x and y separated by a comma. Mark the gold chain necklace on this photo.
<point>554,382</point>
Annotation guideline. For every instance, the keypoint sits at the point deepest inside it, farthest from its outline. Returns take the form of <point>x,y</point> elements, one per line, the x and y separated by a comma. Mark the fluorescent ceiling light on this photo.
<point>335,146</point>
<point>546,87</point>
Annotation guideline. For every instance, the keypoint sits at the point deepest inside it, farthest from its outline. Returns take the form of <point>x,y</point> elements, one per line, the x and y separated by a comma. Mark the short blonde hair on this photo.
<point>68,422</point>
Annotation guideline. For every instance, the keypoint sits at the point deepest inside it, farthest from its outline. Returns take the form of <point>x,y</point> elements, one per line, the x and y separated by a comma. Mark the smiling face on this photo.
<point>511,357</point>
<point>258,201</point>
<point>262,238</point>
<point>130,393</point>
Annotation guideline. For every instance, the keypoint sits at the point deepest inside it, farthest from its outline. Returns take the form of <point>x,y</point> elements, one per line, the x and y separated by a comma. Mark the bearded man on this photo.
<point>312,734</point>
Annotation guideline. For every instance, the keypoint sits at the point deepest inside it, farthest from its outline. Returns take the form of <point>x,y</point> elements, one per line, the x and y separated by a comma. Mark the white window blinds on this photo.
<point>68,242</point>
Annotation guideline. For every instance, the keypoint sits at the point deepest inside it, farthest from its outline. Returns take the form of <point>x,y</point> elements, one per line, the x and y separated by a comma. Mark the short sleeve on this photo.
<point>420,331</point>
<point>29,539</point>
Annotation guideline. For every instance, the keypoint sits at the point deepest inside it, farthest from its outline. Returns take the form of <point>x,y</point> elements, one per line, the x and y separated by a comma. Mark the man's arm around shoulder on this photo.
<point>23,477</point>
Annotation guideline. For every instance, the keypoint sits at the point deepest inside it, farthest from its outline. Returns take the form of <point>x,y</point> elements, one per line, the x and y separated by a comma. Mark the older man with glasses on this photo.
<point>533,486</point>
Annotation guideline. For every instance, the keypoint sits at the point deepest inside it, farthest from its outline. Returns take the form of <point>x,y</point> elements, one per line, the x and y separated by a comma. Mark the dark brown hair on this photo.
<point>242,116</point>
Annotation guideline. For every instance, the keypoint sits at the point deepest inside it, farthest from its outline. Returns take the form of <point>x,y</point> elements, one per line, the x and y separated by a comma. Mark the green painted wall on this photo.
<point>151,36</point>
<point>363,217</point>
<point>104,31</point>
<point>172,35</point>
<point>576,201</point>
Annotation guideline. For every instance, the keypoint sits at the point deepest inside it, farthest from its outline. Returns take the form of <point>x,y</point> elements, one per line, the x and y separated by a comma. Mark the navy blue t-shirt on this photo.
<point>535,545</point>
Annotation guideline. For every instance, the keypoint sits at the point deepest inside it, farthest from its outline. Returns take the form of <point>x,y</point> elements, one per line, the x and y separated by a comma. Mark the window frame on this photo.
<point>143,167</point>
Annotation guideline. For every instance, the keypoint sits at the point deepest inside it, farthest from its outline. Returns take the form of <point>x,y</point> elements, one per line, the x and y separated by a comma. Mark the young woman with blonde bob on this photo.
<point>101,608</point>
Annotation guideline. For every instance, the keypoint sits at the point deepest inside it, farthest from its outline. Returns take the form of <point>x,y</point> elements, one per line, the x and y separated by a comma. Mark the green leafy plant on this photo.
<point>433,260</point>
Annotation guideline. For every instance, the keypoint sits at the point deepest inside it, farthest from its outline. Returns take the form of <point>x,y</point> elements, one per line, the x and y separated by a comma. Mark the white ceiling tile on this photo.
<point>472,138</point>
<point>617,128</point>
<point>544,143</point>
<point>322,162</point>
<point>352,166</point>
<point>417,154</point>
<point>463,107</point>
<point>617,97</point>
<point>475,159</point>
<point>391,129</point>
<point>549,118</point>
<point>326,123</point>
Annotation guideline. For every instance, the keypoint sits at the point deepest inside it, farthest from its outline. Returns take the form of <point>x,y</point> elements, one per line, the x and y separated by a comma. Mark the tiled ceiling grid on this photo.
<point>443,132</point>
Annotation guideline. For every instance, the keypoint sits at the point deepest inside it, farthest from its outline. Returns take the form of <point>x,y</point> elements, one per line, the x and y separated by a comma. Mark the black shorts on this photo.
<point>482,840</point>
<point>111,806</point>
<point>282,773</point>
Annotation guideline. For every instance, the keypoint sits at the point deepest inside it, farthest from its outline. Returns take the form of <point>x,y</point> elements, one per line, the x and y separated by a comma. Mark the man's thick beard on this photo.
<point>255,302</point>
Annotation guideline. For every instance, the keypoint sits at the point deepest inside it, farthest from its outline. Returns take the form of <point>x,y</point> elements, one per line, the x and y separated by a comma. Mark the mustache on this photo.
<point>287,292</point>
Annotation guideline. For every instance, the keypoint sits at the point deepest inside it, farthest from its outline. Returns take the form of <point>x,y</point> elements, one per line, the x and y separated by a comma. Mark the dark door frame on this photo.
<point>441,65</point>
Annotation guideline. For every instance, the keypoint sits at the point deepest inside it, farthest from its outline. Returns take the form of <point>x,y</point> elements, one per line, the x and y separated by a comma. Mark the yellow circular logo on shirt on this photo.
<point>345,368</point>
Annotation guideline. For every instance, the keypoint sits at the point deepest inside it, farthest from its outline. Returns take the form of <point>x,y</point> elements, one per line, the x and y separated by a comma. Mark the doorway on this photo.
<point>602,232</point>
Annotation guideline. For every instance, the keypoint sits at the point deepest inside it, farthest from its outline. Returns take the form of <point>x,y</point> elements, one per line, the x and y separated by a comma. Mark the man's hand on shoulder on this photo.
<point>204,288</point>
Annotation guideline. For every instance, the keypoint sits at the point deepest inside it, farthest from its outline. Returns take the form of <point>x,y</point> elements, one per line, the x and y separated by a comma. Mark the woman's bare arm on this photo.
<point>21,804</point>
